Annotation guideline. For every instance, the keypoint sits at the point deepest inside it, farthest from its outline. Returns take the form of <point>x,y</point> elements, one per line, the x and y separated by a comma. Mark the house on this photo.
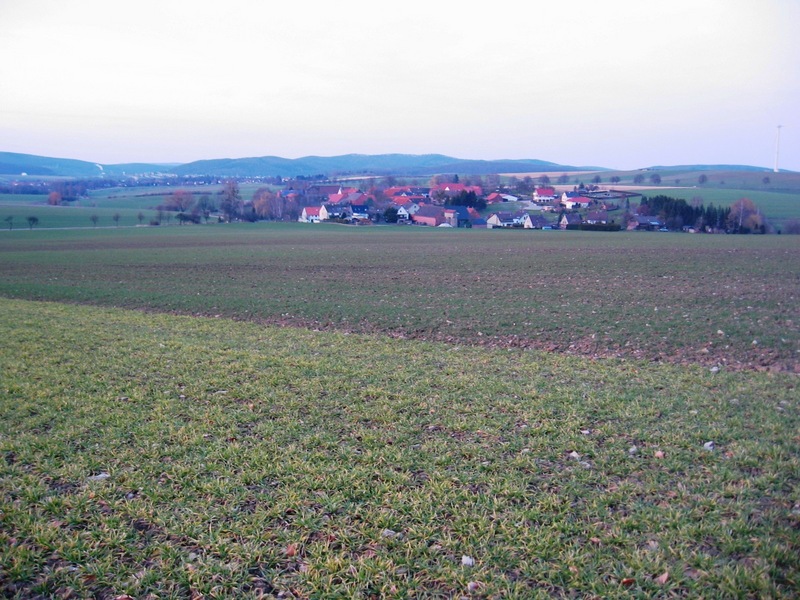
<point>410,206</point>
<point>478,223</point>
<point>571,200</point>
<point>359,212</point>
<point>429,215</point>
<point>313,214</point>
<point>406,193</point>
<point>543,195</point>
<point>644,223</point>
<point>534,222</point>
<point>569,219</point>
<point>444,190</point>
<point>403,213</point>
<point>337,211</point>
<point>501,219</point>
<point>494,198</point>
<point>458,216</point>
<point>597,217</point>
<point>323,189</point>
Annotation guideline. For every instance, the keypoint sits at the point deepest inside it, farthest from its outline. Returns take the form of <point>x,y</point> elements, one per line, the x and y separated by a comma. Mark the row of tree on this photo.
<point>741,217</point>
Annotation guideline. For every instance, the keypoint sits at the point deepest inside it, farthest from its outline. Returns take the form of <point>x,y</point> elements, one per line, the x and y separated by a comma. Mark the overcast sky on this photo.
<point>614,83</point>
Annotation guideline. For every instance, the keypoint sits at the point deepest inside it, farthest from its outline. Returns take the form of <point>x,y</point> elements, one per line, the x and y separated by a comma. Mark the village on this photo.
<point>466,206</point>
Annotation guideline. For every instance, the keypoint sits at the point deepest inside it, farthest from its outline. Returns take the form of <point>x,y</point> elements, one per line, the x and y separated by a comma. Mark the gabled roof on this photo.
<point>504,216</point>
<point>597,215</point>
<point>546,191</point>
<point>312,211</point>
<point>461,212</point>
<point>429,210</point>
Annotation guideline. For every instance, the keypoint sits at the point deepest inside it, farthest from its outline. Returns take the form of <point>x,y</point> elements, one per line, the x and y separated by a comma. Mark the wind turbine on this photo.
<point>777,148</point>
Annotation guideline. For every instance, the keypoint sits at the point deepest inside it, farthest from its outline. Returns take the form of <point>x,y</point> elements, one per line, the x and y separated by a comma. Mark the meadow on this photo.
<point>313,411</point>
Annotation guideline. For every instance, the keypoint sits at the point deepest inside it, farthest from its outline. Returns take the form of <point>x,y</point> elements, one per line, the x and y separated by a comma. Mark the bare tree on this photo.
<point>231,200</point>
<point>116,219</point>
<point>10,220</point>
<point>94,219</point>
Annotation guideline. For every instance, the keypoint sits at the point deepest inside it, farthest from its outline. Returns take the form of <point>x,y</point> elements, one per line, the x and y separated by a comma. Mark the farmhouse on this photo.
<point>443,190</point>
<point>534,222</point>
<point>571,200</point>
<point>458,216</point>
<point>313,214</point>
<point>429,215</point>
<point>596,217</point>
<point>500,219</point>
<point>569,219</point>
<point>544,195</point>
<point>644,223</point>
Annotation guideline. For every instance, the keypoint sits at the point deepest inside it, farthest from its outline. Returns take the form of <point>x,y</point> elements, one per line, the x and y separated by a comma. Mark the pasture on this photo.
<point>307,411</point>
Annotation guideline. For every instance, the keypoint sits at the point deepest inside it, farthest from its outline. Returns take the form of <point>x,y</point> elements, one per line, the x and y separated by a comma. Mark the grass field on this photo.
<point>169,456</point>
<point>720,300</point>
<point>778,206</point>
<point>318,411</point>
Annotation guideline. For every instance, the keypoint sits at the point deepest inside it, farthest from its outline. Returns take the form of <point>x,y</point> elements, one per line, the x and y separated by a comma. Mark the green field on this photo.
<point>195,456</point>
<point>720,300</point>
<point>778,206</point>
<point>319,411</point>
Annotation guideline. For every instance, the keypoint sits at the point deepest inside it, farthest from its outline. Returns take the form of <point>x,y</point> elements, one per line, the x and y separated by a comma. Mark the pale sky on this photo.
<point>615,83</point>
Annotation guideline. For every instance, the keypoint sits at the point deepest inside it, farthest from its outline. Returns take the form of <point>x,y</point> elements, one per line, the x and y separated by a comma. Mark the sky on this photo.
<point>623,84</point>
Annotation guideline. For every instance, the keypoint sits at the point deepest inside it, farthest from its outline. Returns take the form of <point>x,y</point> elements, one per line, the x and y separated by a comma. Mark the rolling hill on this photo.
<point>14,164</point>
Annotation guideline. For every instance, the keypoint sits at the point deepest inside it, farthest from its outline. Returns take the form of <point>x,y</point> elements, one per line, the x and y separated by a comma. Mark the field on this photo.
<point>303,411</point>
<point>719,300</point>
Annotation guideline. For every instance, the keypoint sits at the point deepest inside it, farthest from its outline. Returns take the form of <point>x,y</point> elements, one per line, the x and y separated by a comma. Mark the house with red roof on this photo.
<point>313,214</point>
<point>544,195</point>
<point>452,189</point>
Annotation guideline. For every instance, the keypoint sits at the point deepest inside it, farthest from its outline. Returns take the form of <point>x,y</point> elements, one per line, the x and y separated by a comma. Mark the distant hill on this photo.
<point>365,164</point>
<point>14,164</point>
<point>727,168</point>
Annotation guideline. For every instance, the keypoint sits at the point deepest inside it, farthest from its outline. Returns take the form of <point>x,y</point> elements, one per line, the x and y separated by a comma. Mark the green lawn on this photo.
<point>166,456</point>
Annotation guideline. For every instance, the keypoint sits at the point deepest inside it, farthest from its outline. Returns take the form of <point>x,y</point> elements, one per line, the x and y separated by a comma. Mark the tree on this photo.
<point>563,179</point>
<point>206,206</point>
<point>597,179</point>
<point>615,179</point>
<point>32,221</point>
<point>765,181</point>
<point>655,179</point>
<point>180,201</point>
<point>231,200</point>
<point>54,199</point>
<point>745,217</point>
<point>493,181</point>
<point>638,178</point>
<point>94,219</point>
<point>116,219</point>
<point>10,220</point>
<point>702,179</point>
<point>390,215</point>
<point>140,216</point>
<point>544,180</point>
